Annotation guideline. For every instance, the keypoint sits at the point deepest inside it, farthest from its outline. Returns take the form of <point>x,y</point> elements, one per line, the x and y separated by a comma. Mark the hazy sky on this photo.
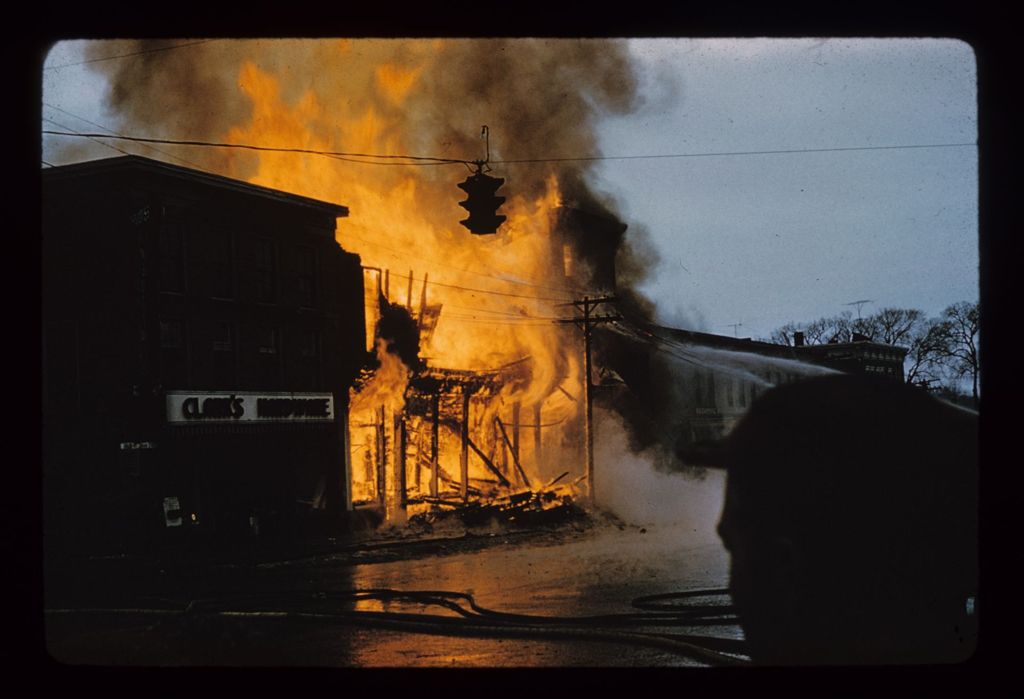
<point>763,239</point>
<point>760,239</point>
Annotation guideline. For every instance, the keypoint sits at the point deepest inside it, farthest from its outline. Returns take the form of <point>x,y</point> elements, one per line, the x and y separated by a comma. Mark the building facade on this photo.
<point>200,335</point>
<point>680,387</point>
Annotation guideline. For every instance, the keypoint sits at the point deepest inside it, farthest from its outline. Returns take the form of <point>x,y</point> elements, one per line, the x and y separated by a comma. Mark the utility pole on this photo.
<point>586,323</point>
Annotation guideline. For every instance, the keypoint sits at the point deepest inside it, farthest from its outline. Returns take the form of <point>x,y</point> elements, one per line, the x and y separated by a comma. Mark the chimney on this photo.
<point>798,339</point>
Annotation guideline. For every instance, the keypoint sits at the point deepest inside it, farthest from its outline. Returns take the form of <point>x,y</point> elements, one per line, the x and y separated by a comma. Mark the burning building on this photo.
<point>432,430</point>
<point>200,334</point>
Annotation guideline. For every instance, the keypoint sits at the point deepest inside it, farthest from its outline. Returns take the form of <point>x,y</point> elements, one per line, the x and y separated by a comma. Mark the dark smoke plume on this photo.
<point>542,100</point>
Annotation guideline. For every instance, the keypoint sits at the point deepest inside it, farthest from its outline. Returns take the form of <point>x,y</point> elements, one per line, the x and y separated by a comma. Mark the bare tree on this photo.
<point>893,326</point>
<point>938,348</point>
<point>817,332</point>
<point>840,328</point>
<point>784,335</point>
<point>958,329</point>
<point>926,352</point>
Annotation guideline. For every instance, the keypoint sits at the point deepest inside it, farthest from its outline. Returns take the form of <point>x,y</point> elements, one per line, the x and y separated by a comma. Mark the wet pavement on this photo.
<point>296,611</point>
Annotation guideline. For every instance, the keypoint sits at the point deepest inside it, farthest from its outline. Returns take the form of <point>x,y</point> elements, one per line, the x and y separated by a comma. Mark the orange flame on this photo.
<point>498,293</point>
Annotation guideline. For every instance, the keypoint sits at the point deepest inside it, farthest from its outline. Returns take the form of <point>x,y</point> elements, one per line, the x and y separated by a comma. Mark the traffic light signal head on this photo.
<point>482,204</point>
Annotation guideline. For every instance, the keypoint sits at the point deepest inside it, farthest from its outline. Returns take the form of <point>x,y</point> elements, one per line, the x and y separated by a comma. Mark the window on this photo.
<point>171,334</point>
<point>311,345</point>
<point>306,265</point>
<point>221,265</point>
<point>223,346</point>
<point>309,360</point>
<point>744,387</point>
<point>704,389</point>
<point>266,270</point>
<point>731,392</point>
<point>268,341</point>
<point>172,257</point>
<point>268,350</point>
<point>173,360</point>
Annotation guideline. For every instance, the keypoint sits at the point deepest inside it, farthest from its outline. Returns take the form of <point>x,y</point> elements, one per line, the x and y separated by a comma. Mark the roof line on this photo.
<point>129,161</point>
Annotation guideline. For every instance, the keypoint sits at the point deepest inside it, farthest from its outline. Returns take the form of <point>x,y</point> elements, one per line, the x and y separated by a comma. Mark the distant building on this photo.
<point>691,386</point>
<point>200,335</point>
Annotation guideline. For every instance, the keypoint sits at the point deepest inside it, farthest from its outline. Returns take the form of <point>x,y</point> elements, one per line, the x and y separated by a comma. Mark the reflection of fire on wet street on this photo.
<point>599,595</point>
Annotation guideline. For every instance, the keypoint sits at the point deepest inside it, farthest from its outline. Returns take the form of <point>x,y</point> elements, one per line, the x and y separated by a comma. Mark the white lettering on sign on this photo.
<point>132,446</point>
<point>243,406</point>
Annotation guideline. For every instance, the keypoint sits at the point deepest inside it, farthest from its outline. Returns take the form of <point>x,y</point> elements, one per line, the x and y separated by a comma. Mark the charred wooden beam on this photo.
<point>568,395</point>
<point>515,429</point>
<point>536,437</point>
<point>515,456</point>
<point>464,455</point>
<point>553,481</point>
<point>402,439</point>
<point>487,462</point>
<point>418,466</point>
<point>381,456</point>
<point>433,442</point>
<point>423,301</point>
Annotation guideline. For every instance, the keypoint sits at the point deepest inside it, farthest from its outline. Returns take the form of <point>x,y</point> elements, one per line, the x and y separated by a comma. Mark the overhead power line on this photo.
<point>482,291</point>
<point>249,146</point>
<point>100,126</point>
<point>419,259</point>
<point>94,140</point>
<point>491,321</point>
<point>723,153</point>
<point>133,53</point>
<point>508,314</point>
<point>429,160</point>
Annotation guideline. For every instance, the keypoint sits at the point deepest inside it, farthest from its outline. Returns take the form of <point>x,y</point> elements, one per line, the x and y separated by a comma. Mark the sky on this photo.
<point>748,242</point>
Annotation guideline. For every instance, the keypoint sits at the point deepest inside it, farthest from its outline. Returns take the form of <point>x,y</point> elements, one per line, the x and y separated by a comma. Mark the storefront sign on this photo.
<point>222,406</point>
<point>133,446</point>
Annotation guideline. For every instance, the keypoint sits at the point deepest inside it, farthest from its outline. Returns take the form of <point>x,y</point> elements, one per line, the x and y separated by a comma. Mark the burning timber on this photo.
<point>409,467</point>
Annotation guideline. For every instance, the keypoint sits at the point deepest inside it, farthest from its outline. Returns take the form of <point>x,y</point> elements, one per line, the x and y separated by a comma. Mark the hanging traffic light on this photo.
<point>482,203</point>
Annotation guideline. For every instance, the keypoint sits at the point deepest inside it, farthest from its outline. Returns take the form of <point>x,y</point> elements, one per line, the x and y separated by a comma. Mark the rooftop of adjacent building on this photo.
<point>137,164</point>
<point>747,344</point>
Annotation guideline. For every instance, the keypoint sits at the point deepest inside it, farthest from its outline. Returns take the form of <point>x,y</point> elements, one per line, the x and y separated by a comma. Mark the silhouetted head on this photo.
<point>851,517</point>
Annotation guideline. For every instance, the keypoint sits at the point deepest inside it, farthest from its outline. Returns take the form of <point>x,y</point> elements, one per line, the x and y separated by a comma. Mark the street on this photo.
<point>297,612</point>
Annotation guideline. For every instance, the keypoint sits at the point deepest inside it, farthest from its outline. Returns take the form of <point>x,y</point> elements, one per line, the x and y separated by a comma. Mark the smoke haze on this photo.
<point>629,485</point>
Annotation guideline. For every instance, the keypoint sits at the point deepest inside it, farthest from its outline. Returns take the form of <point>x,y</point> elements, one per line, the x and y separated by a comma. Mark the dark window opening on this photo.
<point>310,360</point>
<point>711,394</point>
<point>173,360</point>
<point>311,344</point>
<point>266,270</point>
<point>224,353</point>
<point>268,353</point>
<point>306,265</point>
<point>268,341</point>
<point>221,267</point>
<point>171,334</point>
<point>172,257</point>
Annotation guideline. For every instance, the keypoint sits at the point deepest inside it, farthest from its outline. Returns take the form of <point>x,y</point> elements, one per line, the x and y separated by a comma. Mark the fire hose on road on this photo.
<point>473,620</point>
